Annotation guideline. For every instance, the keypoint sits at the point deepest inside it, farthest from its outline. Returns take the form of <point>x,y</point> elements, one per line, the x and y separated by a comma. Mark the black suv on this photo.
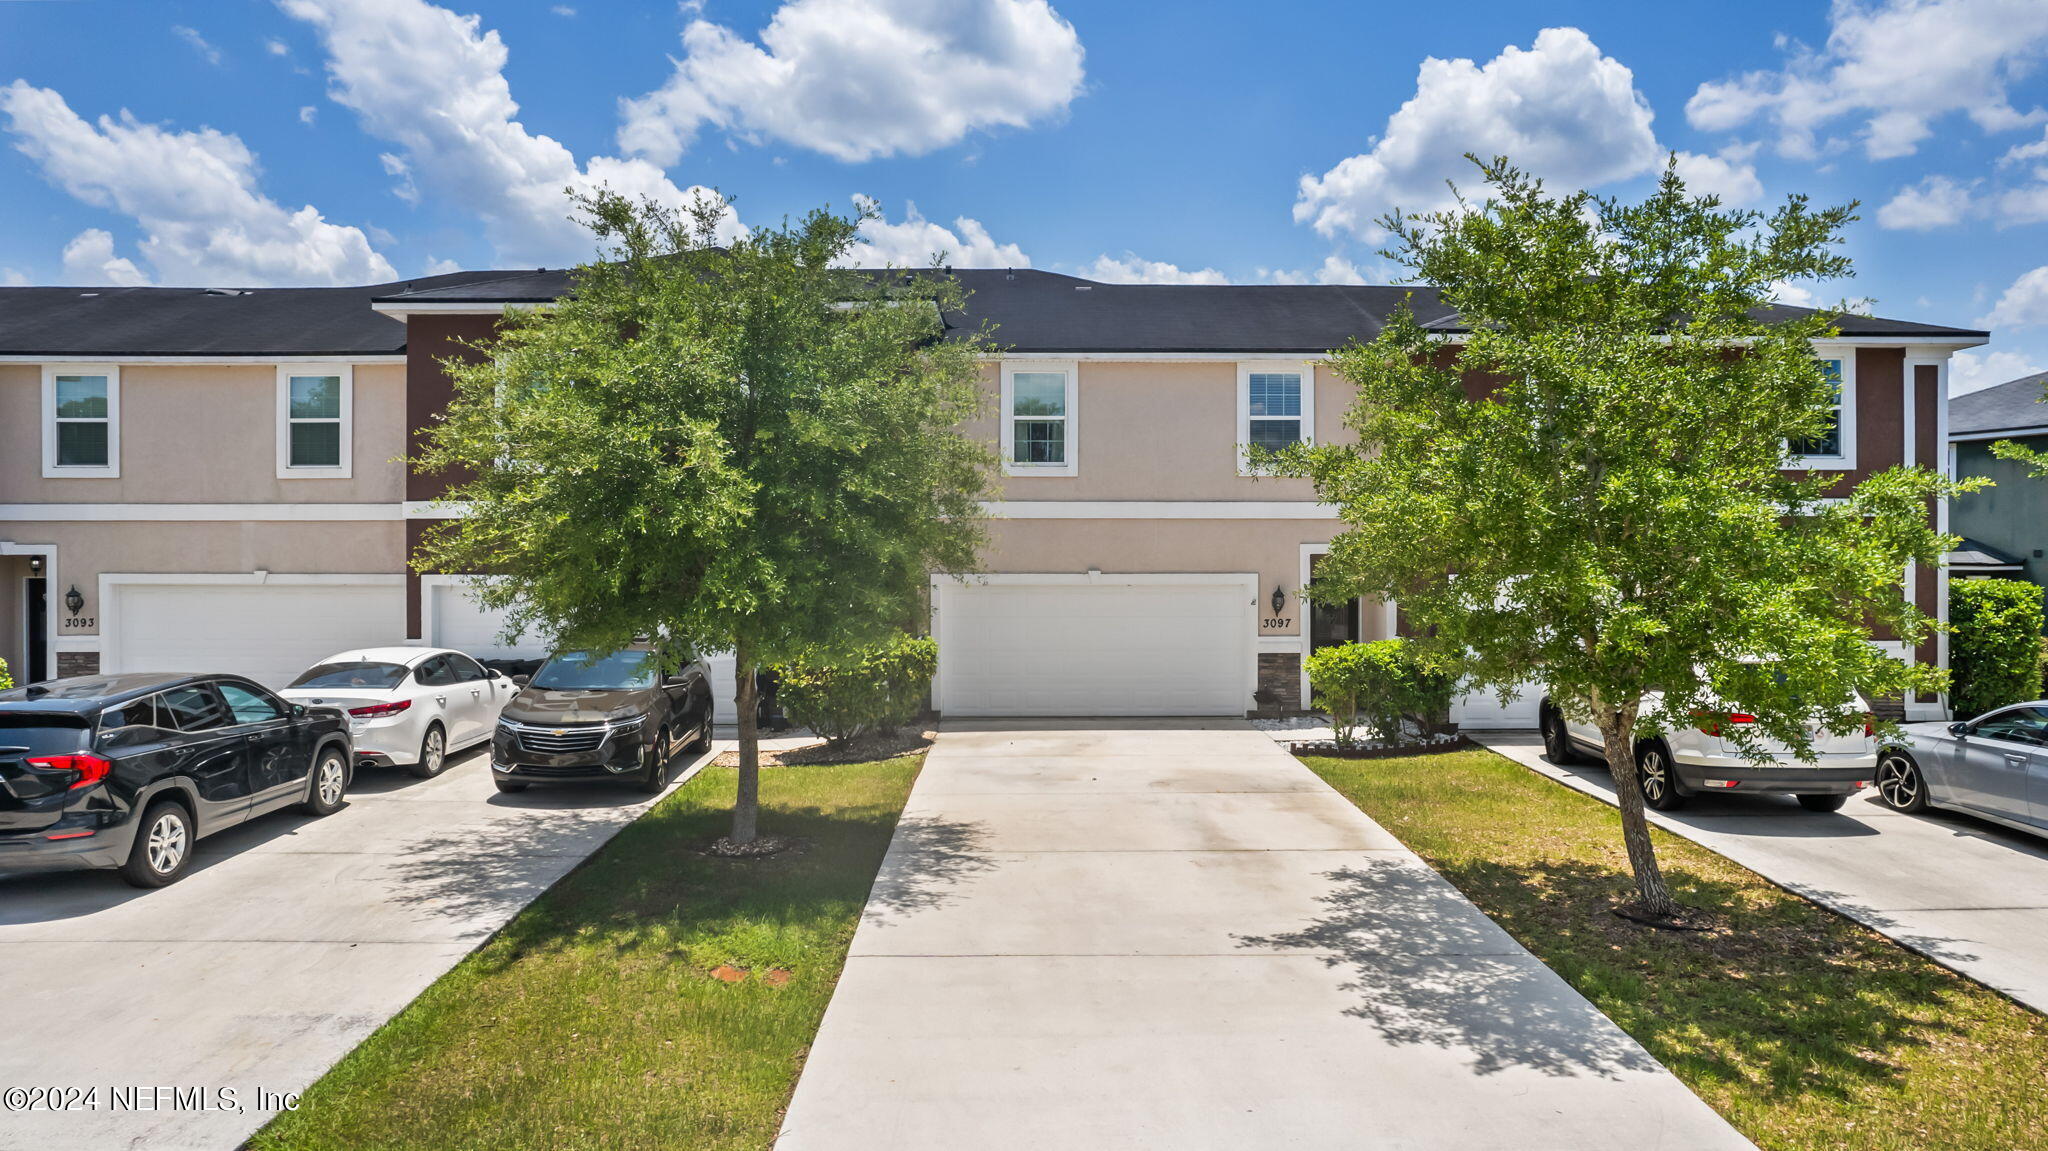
<point>128,771</point>
<point>585,717</point>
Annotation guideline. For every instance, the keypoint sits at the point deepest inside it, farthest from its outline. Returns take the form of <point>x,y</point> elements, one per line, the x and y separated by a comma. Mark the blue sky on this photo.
<point>348,141</point>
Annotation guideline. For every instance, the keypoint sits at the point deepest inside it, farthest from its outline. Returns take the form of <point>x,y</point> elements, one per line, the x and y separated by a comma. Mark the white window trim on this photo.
<point>285,470</point>
<point>51,469</point>
<point>1846,461</point>
<point>1245,369</point>
<point>1072,466</point>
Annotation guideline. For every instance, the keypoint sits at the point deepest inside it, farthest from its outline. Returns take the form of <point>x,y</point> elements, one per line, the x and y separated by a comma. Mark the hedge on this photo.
<point>1994,647</point>
<point>1380,685</point>
<point>877,690</point>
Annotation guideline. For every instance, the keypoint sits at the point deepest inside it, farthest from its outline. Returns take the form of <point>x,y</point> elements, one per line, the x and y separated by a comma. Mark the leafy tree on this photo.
<point>6,679</point>
<point>745,446</point>
<point>1586,490</point>
<point>1995,645</point>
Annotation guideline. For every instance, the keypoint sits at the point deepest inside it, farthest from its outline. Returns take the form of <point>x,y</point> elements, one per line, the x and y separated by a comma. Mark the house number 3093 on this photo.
<point>1277,621</point>
<point>80,621</point>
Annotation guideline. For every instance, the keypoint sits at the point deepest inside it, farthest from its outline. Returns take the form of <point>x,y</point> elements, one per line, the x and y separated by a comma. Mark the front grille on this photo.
<point>556,740</point>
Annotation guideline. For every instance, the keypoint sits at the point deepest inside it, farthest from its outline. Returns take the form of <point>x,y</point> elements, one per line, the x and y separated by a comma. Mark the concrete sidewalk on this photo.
<point>1133,934</point>
<point>1968,894</point>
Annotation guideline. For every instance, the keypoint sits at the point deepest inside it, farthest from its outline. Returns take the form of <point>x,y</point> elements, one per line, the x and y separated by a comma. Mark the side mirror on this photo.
<point>522,680</point>
<point>298,711</point>
<point>496,674</point>
<point>1959,729</point>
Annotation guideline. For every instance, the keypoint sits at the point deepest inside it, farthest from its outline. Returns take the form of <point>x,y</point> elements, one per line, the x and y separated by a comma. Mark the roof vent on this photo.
<point>227,291</point>
<point>85,294</point>
<point>1009,273</point>
<point>1083,287</point>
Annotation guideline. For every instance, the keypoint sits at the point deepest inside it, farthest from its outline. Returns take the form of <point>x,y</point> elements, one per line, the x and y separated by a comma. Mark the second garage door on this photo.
<point>268,631</point>
<point>1117,645</point>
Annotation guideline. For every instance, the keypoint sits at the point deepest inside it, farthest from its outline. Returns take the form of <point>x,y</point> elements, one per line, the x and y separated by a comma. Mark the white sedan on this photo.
<point>410,707</point>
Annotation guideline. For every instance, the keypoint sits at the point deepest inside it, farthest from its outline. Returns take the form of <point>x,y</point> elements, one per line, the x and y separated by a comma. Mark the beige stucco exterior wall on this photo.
<point>1161,431</point>
<point>1271,548</point>
<point>85,550</point>
<point>204,434</point>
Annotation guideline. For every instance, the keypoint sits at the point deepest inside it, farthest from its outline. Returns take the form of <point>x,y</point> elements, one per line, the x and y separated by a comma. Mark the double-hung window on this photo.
<point>1835,447</point>
<point>315,421</point>
<point>81,420</point>
<point>1275,408</point>
<point>1040,419</point>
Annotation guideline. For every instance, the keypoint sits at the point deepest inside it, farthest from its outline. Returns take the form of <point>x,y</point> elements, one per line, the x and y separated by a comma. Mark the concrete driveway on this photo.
<point>1132,935</point>
<point>290,941</point>
<point>1966,893</point>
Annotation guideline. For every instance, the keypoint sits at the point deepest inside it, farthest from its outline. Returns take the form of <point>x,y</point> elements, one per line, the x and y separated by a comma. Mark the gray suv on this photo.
<point>587,716</point>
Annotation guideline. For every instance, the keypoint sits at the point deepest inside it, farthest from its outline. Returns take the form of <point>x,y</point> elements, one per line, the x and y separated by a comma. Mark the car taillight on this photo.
<point>379,710</point>
<point>90,768</point>
<point>1713,725</point>
<point>1869,728</point>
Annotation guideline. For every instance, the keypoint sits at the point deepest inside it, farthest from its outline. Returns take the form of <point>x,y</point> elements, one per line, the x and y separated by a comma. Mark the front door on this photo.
<point>36,629</point>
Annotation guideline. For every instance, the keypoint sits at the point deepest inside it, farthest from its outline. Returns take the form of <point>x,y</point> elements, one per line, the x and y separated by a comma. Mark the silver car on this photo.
<point>1994,767</point>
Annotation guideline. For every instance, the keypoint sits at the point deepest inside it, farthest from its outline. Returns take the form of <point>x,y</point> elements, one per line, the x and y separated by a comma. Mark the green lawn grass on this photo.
<point>595,1019</point>
<point>1805,1030</point>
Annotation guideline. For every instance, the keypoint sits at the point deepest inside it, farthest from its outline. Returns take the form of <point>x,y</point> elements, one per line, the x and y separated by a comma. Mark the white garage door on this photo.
<point>454,619</point>
<point>269,632</point>
<point>1112,647</point>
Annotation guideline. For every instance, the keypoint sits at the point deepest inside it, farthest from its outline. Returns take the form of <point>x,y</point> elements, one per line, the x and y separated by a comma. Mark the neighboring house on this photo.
<point>2004,525</point>
<point>219,476</point>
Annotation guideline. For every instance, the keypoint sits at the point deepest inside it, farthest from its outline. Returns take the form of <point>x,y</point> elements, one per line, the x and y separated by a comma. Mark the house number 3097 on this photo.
<point>1277,621</point>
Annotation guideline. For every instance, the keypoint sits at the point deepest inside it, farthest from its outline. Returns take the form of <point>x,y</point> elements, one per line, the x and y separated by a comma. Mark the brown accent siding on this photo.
<point>1927,452</point>
<point>414,530</point>
<point>428,340</point>
<point>1880,412</point>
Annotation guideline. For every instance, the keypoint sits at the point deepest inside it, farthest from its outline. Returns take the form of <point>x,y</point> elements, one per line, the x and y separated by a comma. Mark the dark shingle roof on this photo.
<point>115,322</point>
<point>2003,407</point>
<point>1033,312</point>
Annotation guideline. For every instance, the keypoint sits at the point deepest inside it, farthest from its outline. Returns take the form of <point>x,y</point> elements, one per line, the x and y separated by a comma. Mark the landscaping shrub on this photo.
<point>1378,685</point>
<point>877,690</point>
<point>6,680</point>
<point>1994,647</point>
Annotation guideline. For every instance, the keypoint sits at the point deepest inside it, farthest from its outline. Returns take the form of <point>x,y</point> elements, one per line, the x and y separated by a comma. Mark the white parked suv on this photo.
<point>410,707</point>
<point>1677,765</point>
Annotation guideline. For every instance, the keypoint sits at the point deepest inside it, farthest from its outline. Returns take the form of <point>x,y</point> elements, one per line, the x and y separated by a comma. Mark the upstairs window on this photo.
<point>1276,406</point>
<point>315,416</point>
<point>1835,447</point>
<point>1039,419</point>
<point>81,427</point>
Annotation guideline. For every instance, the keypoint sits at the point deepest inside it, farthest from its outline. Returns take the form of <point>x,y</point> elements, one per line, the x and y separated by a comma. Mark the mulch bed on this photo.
<point>1329,749</point>
<point>861,750</point>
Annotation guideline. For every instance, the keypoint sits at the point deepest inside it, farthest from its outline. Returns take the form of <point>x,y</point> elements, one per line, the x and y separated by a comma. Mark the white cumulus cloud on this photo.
<point>1728,174</point>
<point>89,259</point>
<point>1559,109</point>
<point>1935,202</point>
<point>857,79</point>
<point>1975,371</point>
<point>195,195</point>
<point>913,242</point>
<point>2023,304</point>
<point>1334,269</point>
<point>1897,66</point>
<point>1131,268</point>
<point>432,83</point>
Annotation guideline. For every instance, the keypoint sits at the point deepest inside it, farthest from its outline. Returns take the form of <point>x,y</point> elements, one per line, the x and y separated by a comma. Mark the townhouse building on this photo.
<point>215,479</point>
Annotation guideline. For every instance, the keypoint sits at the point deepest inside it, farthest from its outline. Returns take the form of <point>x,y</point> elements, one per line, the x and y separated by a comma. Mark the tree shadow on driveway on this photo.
<point>1429,969</point>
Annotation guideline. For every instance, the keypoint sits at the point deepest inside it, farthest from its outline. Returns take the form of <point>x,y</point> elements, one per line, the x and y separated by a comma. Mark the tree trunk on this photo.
<point>1617,737</point>
<point>746,807</point>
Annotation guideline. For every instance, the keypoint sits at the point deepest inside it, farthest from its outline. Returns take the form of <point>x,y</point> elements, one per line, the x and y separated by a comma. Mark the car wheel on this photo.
<point>433,753</point>
<point>507,785</point>
<point>329,783</point>
<point>1557,744</point>
<point>1900,784</point>
<point>656,779</point>
<point>702,743</point>
<point>1656,779</point>
<point>163,845</point>
<point>1822,802</point>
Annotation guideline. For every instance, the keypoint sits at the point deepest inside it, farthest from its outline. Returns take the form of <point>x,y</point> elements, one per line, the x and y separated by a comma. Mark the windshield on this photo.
<point>582,671</point>
<point>374,676</point>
